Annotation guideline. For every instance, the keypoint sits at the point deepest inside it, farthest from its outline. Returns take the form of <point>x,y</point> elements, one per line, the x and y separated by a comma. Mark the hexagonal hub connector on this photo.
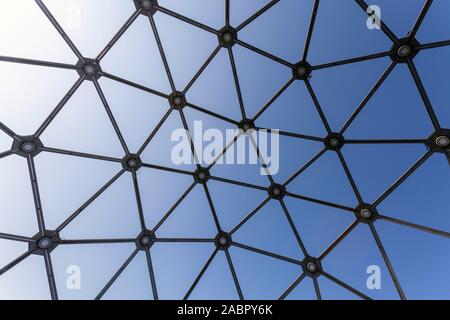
<point>365,213</point>
<point>145,240</point>
<point>222,240</point>
<point>227,37</point>
<point>301,70</point>
<point>277,191</point>
<point>131,162</point>
<point>334,141</point>
<point>246,125</point>
<point>26,146</point>
<point>312,266</point>
<point>89,68</point>
<point>147,7</point>
<point>201,175</point>
<point>42,243</point>
<point>405,49</point>
<point>440,141</point>
<point>177,100</point>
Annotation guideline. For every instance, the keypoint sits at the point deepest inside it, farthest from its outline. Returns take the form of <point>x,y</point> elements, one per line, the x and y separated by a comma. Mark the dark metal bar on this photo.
<point>305,166</point>
<point>36,195</point>
<point>111,117</point>
<point>186,19</point>
<point>155,130</point>
<point>15,262</point>
<point>80,154</point>
<point>202,68</point>
<point>59,29</point>
<point>433,45</point>
<point>266,253</point>
<point>174,206</point>
<point>193,240</point>
<point>292,286</point>
<point>37,62</point>
<point>117,274</point>
<point>238,183</point>
<point>227,13</point>
<point>350,177</point>
<point>366,99</point>
<point>119,34</point>
<point>251,214</point>
<point>345,286</point>
<point>161,52</point>
<point>274,97</point>
<point>59,106</point>
<point>233,273</point>
<point>317,288</point>
<point>211,113</point>
<point>257,14</point>
<point>419,227</point>
<point>322,202</point>
<point>341,237</point>
<point>137,194</point>
<point>387,262</point>
<point>211,206</point>
<point>312,23</point>
<point>188,132</point>
<point>294,228</point>
<point>50,275</point>
<point>236,82</point>
<point>423,95</point>
<point>89,201</point>
<point>318,107</point>
<point>14,237</point>
<point>96,241</point>
<point>386,141</point>
<point>352,60</point>
<point>152,274</point>
<point>383,26</point>
<point>410,171</point>
<point>162,168</point>
<point>200,275</point>
<point>134,85</point>
<point>420,18</point>
<point>264,53</point>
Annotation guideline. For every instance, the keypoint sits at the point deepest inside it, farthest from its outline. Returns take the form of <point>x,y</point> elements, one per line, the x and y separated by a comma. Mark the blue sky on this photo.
<point>28,94</point>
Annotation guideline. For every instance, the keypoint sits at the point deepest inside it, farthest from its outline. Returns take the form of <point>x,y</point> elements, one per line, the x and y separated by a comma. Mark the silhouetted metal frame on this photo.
<point>297,233</point>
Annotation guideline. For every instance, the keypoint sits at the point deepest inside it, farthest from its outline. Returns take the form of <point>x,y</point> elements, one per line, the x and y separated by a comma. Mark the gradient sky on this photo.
<point>29,93</point>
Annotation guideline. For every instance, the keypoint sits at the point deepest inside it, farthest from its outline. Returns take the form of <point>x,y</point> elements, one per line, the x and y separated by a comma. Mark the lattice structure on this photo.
<point>403,50</point>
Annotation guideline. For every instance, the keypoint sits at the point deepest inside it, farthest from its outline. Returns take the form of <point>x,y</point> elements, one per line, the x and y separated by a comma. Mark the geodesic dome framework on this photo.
<point>46,241</point>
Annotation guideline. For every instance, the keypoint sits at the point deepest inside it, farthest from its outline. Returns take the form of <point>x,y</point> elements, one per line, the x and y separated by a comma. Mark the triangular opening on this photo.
<point>325,179</point>
<point>215,89</point>
<point>196,46</point>
<point>86,17</point>
<point>395,111</point>
<point>142,62</point>
<point>133,283</point>
<point>86,176</point>
<point>270,231</point>
<point>173,279</point>
<point>286,20</point>
<point>136,112</point>
<point>256,273</point>
<point>217,276</point>
<point>318,225</point>
<point>191,219</point>
<point>24,113</point>
<point>91,133</point>
<point>94,264</point>
<point>113,215</point>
